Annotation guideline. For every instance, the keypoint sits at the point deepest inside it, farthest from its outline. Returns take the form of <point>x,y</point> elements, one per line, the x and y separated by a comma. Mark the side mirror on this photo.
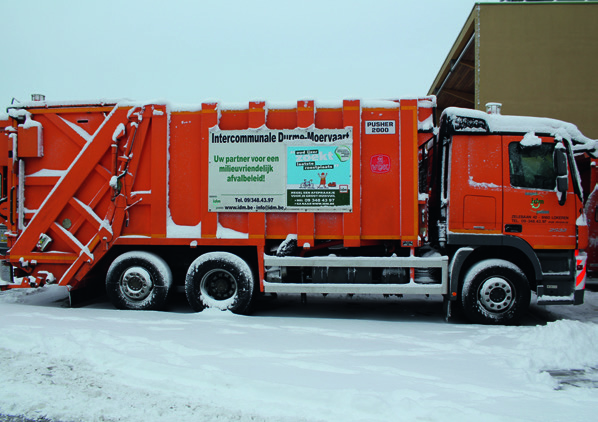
<point>562,173</point>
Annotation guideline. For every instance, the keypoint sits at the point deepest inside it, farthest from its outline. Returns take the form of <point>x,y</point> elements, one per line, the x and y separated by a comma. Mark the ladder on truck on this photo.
<point>83,189</point>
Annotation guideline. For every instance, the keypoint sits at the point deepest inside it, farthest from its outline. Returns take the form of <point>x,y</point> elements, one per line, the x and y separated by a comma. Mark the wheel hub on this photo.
<point>496,295</point>
<point>136,283</point>
<point>219,285</point>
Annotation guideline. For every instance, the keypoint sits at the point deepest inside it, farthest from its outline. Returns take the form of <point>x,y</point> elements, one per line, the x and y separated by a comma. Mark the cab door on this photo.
<point>476,185</point>
<point>531,203</point>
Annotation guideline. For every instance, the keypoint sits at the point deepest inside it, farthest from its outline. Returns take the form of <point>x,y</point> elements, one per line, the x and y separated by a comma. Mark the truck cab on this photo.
<point>506,204</point>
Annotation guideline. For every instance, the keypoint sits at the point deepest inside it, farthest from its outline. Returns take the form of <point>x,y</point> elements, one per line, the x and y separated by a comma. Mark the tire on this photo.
<point>219,280</point>
<point>138,280</point>
<point>495,291</point>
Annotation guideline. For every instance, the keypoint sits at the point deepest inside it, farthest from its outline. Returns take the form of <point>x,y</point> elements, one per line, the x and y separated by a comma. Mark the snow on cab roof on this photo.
<point>524,124</point>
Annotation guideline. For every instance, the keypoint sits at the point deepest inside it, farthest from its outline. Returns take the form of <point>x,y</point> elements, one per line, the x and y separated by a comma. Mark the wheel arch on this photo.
<point>464,258</point>
<point>180,257</point>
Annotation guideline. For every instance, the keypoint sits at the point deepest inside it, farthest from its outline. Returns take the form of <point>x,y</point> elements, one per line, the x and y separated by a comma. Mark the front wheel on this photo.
<point>219,280</point>
<point>495,291</point>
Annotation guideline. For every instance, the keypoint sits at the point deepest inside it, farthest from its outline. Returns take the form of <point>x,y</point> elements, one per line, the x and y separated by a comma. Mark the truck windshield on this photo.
<point>532,166</point>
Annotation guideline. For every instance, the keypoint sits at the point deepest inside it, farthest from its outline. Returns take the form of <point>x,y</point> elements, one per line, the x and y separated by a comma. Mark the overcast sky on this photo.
<point>232,51</point>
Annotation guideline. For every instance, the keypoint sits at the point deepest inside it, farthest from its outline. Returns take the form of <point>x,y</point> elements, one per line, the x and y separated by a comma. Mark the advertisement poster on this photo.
<point>269,170</point>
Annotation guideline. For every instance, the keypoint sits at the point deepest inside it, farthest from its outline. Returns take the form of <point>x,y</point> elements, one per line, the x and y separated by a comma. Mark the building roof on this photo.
<point>458,81</point>
<point>454,85</point>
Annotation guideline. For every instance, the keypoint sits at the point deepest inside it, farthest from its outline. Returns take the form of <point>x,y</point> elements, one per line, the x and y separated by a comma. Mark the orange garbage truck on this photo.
<point>348,197</point>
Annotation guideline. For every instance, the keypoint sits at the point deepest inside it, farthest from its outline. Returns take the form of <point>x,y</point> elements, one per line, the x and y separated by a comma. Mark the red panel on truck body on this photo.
<point>139,175</point>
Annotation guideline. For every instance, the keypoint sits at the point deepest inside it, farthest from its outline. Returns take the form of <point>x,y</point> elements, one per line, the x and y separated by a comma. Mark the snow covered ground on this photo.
<point>354,359</point>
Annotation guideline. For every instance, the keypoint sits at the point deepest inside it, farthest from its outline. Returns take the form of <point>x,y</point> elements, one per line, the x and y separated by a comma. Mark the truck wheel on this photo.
<point>495,291</point>
<point>138,280</point>
<point>219,280</point>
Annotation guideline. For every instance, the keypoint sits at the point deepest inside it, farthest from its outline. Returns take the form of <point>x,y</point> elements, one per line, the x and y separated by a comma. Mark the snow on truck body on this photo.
<point>346,197</point>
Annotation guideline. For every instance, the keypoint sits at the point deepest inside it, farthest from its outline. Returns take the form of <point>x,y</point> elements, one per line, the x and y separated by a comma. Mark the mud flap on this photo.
<point>446,307</point>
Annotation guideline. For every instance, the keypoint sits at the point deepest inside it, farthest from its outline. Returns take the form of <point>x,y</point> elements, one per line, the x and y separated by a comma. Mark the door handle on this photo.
<point>513,228</point>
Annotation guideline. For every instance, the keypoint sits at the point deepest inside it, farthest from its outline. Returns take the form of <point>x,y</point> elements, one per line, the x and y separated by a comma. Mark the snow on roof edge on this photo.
<point>424,102</point>
<point>68,103</point>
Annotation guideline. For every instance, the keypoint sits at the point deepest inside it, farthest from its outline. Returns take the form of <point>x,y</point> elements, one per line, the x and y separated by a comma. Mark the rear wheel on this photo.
<point>495,291</point>
<point>219,280</point>
<point>138,280</point>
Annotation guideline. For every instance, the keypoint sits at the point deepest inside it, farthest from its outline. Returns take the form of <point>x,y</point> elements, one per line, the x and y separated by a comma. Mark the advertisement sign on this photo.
<point>271,170</point>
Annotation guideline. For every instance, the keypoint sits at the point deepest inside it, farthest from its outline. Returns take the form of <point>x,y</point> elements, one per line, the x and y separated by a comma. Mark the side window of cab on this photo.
<point>532,167</point>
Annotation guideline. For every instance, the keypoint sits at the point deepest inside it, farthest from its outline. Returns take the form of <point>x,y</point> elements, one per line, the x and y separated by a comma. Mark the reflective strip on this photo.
<point>580,277</point>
